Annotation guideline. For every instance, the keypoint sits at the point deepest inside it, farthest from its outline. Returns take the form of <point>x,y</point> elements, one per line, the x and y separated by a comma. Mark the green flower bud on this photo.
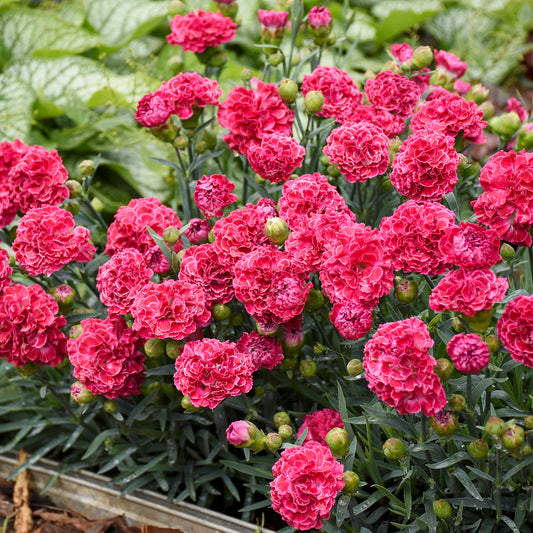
<point>173,348</point>
<point>444,369</point>
<point>505,125</point>
<point>285,431</point>
<point>288,90</point>
<point>406,290</point>
<point>273,442</point>
<point>355,367</point>
<point>507,251</point>
<point>495,426</point>
<point>281,418</point>
<point>318,348</point>
<point>97,204</point>
<point>524,141</point>
<point>442,509</point>
<point>308,368</point>
<point>200,147</point>
<point>369,75</point>
<point>171,235</point>
<point>81,394</point>
<point>478,93</point>
<point>325,159</point>
<point>457,325</point>
<point>110,406</point>
<point>488,109</point>
<point>259,179</point>
<point>333,171</point>
<point>392,66</point>
<point>246,75</point>
<point>480,321</point>
<point>463,163</point>
<point>276,230</point>
<point>64,295</point>
<point>444,423</point>
<point>493,342</point>
<point>154,348</point>
<point>315,300</point>
<point>275,59</point>
<point>74,188</point>
<point>181,142</point>
<point>72,206</point>
<point>259,391</point>
<point>528,422</point>
<point>478,448</point>
<point>522,452</point>
<point>87,168</point>
<point>457,403</point>
<point>75,331</point>
<point>236,319</point>
<point>351,482</point>
<point>422,57</point>
<point>221,312</point>
<point>338,441</point>
<point>188,405</point>
<point>513,437</point>
<point>394,449</point>
<point>313,102</point>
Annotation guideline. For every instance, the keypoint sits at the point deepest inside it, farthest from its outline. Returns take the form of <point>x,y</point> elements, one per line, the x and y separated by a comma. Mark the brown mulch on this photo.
<point>27,513</point>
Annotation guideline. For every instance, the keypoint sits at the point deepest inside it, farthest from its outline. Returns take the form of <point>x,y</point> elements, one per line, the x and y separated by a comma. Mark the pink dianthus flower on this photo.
<point>48,239</point>
<point>402,52</point>
<point>208,371</point>
<point>197,230</point>
<point>319,17</point>
<point>515,105</point>
<point>106,357</point>
<point>390,124</point>
<point>272,20</point>
<point>154,109</point>
<point>213,193</point>
<point>351,320</point>
<point>196,31</point>
<point>400,370</point>
<point>5,268</point>
<point>306,482</point>
<point>265,351</point>
<point>319,423</point>
<point>450,63</point>
<point>468,353</point>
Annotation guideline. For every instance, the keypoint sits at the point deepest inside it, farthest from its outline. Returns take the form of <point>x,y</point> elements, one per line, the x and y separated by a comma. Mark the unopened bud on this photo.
<point>442,509</point>
<point>236,319</point>
<point>200,147</point>
<point>444,423</point>
<point>528,422</point>
<point>315,300</point>
<point>245,434</point>
<point>351,482</point>
<point>524,141</point>
<point>522,452</point>
<point>154,348</point>
<point>292,340</point>
<point>444,369</point>
<point>64,295</point>
<point>505,125</point>
<point>394,449</point>
<point>288,90</point>
<point>333,171</point>
<point>369,75</point>
<point>87,168</point>
<point>422,57</point>
<point>285,431</point>
<point>81,394</point>
<point>75,331</point>
<point>221,312</point>
<point>493,342</point>
<point>478,448</point>
<point>513,437</point>
<point>174,348</point>
<point>480,321</point>
<point>74,188</point>
<point>181,142</point>
<point>495,426</point>
<point>259,391</point>
<point>281,418</point>
<point>463,163</point>
<point>507,251</point>
<point>406,290</point>
<point>246,75</point>
<point>355,367</point>
<point>110,406</point>
<point>338,441</point>
<point>187,404</point>
<point>273,442</point>
<point>171,235</point>
<point>457,403</point>
<point>275,59</point>
<point>313,102</point>
<point>308,368</point>
<point>478,93</point>
<point>276,230</point>
<point>488,109</point>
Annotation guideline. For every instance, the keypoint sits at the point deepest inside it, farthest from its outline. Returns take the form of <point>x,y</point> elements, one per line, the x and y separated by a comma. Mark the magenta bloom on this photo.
<point>272,20</point>
<point>351,320</point>
<point>265,351</point>
<point>468,353</point>
<point>208,371</point>
<point>402,52</point>
<point>154,109</point>
<point>319,17</point>
<point>400,370</point>
<point>450,63</point>
<point>48,239</point>
<point>5,269</point>
<point>319,423</point>
<point>306,482</point>
<point>515,329</point>
<point>213,193</point>
<point>198,230</point>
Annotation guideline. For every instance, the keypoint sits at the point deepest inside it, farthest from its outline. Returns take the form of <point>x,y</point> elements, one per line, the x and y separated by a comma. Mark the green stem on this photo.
<point>470,408</point>
<point>530,255</point>
<point>498,486</point>
<point>95,213</point>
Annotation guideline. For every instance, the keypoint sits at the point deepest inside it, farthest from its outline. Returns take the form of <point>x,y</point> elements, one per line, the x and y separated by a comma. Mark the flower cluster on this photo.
<point>515,329</point>
<point>213,193</point>
<point>319,423</point>
<point>265,351</point>
<point>468,353</point>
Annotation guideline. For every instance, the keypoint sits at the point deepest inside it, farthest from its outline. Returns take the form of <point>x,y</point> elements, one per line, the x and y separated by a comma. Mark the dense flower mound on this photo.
<point>425,168</point>
<point>412,234</point>
<point>470,246</point>
<point>450,114</point>
<point>120,279</point>
<point>48,239</point>
<point>351,320</point>
<point>172,309</point>
<point>309,195</point>
<point>319,423</point>
<point>341,95</point>
<point>198,30</point>
<point>208,371</point>
<point>242,231</point>
<point>129,230</point>
<point>306,482</point>
<point>265,351</point>
<point>506,204</point>
<point>201,266</point>
<point>250,114</point>
<point>276,157</point>
<point>359,149</point>
<point>106,357</point>
<point>213,193</point>
<point>391,124</point>
<point>468,291</point>
<point>356,267</point>
<point>400,370</point>
<point>29,330</point>
<point>468,353</point>
<point>5,269</point>
<point>515,329</point>
<point>393,92</point>
<point>271,284</point>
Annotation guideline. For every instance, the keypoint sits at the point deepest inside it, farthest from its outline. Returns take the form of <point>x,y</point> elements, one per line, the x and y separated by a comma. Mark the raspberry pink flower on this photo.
<point>276,157</point>
<point>341,95</point>
<point>391,125</point>
<point>213,193</point>
<point>29,330</point>
<point>515,329</point>
<point>470,246</point>
<point>197,230</point>
<point>197,31</point>
<point>412,235</point>
<point>514,105</point>
<point>121,278</point>
<point>402,52</point>
<point>393,92</point>
<point>265,351</point>
<point>5,269</point>
<point>319,17</point>
<point>250,114</point>
<point>154,109</point>
<point>359,149</point>
<point>400,370</point>
<point>468,291</point>
<point>319,423</point>
<point>306,482</point>
<point>351,320</point>
<point>201,266</point>
<point>48,239</point>
<point>450,63</point>
<point>468,353</point>
<point>106,357</point>
<point>272,21</point>
<point>425,168</point>
<point>208,371</point>
<point>172,309</point>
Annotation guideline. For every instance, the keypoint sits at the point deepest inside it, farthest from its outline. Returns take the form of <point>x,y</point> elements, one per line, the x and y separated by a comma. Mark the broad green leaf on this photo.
<point>72,12</point>
<point>363,28</point>
<point>16,107</point>
<point>520,466</point>
<point>119,22</point>
<point>462,476</point>
<point>27,32</point>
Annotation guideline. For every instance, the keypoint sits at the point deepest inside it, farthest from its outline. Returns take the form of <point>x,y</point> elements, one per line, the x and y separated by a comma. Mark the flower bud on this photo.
<point>74,188</point>
<point>87,168</point>
<point>318,348</point>
<point>480,321</point>
<point>259,391</point>
<point>444,423</point>
<point>181,142</point>
<point>110,406</point>
<point>478,448</point>
<point>355,367</point>
<point>200,147</point>
<point>457,325</point>
<point>333,171</point>
<point>259,179</point>
<point>513,437</point>
<point>457,403</point>
<point>528,422</point>
<point>273,442</point>
<point>285,431</point>
<point>488,109</point>
<point>245,434</point>
<point>325,160</point>
<point>422,57</point>
<point>275,59</point>
<point>221,312</point>
<point>495,426</point>
<point>442,509</point>
<point>64,295</point>
<point>493,342</point>
<point>478,93</point>
<point>505,125</point>
<point>173,348</point>
<point>507,251</point>
<point>154,348</point>
<point>394,449</point>
<point>292,340</point>
<point>81,394</point>
<point>188,405</point>
<point>72,206</point>
<point>524,141</point>
<point>406,290</point>
<point>97,204</point>
<point>281,418</point>
<point>313,102</point>
<point>75,331</point>
<point>288,90</point>
<point>522,452</point>
<point>308,368</point>
<point>236,319</point>
<point>392,66</point>
<point>444,369</point>
<point>338,441</point>
<point>463,163</point>
<point>315,300</point>
<point>246,75</point>
<point>276,230</point>
<point>351,482</point>
<point>369,75</point>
